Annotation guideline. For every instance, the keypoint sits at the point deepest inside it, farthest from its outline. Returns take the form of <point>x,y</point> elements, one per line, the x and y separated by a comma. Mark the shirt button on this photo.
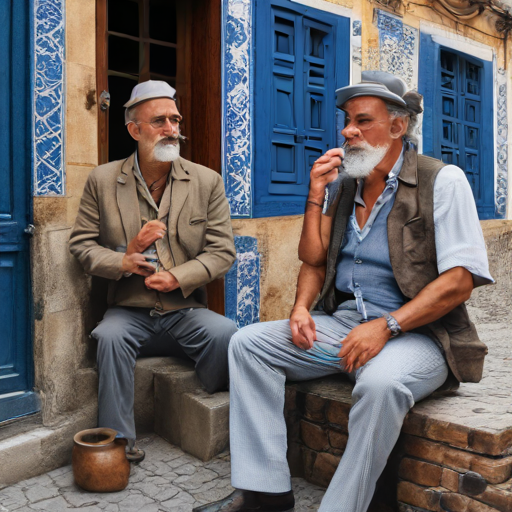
<point>159,306</point>
<point>359,261</point>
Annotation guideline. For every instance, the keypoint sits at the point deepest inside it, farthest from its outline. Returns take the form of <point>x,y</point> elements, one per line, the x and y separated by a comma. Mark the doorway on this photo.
<point>180,43</point>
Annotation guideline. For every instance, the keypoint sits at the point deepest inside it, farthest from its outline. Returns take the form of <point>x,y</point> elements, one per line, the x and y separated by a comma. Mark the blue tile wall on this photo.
<point>242,283</point>
<point>237,105</point>
<point>49,42</point>
<point>502,145</point>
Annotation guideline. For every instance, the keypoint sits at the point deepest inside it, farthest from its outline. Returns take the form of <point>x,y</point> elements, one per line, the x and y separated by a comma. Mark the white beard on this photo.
<point>360,161</point>
<point>166,152</point>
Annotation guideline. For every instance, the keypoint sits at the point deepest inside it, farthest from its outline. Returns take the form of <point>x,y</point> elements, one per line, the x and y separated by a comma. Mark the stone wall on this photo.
<point>63,355</point>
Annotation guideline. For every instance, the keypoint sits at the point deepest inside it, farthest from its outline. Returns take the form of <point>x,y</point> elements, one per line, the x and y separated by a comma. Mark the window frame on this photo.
<point>264,203</point>
<point>429,86</point>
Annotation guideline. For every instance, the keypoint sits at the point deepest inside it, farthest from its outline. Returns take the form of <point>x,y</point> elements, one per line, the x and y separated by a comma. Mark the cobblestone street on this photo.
<point>168,480</point>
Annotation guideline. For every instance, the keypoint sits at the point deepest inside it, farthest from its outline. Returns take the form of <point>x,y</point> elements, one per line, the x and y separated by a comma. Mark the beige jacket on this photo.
<point>196,212</point>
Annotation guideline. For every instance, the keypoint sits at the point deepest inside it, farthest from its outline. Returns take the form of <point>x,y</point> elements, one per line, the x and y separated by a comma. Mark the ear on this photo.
<point>133,130</point>
<point>398,127</point>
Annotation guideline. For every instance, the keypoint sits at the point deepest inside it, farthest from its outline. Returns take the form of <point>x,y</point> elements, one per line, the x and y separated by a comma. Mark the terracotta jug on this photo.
<point>99,460</point>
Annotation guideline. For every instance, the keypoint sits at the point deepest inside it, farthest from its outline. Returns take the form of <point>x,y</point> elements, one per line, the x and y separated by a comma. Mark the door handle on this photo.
<point>30,230</point>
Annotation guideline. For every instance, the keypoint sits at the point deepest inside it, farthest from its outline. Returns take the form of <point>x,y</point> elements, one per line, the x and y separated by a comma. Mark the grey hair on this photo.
<point>130,115</point>
<point>411,111</point>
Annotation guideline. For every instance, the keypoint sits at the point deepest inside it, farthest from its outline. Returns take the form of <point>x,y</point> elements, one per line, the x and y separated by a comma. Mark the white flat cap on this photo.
<point>375,83</point>
<point>150,90</point>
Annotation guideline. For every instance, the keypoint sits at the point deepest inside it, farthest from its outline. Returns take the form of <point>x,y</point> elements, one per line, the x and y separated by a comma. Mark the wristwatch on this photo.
<point>393,325</point>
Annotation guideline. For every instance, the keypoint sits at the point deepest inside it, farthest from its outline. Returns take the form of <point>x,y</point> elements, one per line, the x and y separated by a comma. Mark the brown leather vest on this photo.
<point>412,252</point>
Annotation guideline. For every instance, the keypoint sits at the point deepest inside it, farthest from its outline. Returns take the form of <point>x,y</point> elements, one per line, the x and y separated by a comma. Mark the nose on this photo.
<point>350,131</point>
<point>170,129</point>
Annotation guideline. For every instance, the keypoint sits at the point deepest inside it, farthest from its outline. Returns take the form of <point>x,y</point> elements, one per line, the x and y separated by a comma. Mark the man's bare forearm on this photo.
<point>450,289</point>
<point>309,285</point>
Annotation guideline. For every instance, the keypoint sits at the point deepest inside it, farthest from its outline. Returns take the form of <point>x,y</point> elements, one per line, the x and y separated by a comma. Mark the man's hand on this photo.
<point>162,282</point>
<point>324,170</point>
<point>136,263</point>
<point>150,232</point>
<point>363,343</point>
<point>303,328</point>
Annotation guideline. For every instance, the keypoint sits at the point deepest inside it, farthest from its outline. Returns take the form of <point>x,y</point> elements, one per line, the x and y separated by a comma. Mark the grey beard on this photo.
<point>166,152</point>
<point>359,162</point>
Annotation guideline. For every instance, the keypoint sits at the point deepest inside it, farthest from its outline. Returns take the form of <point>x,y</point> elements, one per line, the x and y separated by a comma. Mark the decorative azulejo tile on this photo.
<point>237,105</point>
<point>502,146</point>
<point>398,47</point>
<point>242,283</point>
<point>49,41</point>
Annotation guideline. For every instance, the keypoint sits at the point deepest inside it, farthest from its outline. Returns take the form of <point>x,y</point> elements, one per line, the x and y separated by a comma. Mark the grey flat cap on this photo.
<point>150,90</point>
<point>375,83</point>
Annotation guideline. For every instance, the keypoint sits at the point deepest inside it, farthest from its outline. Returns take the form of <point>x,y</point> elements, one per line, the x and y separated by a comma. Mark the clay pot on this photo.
<point>99,460</point>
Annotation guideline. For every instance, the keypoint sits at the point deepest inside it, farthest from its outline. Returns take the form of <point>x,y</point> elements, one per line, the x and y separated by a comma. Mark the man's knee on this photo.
<point>382,388</point>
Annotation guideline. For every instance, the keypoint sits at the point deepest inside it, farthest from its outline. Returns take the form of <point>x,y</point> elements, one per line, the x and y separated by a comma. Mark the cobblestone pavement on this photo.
<point>168,480</point>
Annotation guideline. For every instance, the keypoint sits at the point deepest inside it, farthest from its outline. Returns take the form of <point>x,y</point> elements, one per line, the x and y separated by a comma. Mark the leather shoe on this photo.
<point>250,501</point>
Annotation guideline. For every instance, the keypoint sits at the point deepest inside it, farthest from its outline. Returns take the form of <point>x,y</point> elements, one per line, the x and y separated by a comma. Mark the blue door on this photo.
<point>301,58</point>
<point>16,374</point>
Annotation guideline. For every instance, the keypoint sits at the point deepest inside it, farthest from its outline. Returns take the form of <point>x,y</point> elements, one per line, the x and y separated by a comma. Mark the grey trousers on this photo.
<point>127,333</point>
<point>262,357</point>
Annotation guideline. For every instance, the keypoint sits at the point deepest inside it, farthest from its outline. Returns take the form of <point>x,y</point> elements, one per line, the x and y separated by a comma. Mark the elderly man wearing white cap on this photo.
<point>158,228</point>
<point>394,251</point>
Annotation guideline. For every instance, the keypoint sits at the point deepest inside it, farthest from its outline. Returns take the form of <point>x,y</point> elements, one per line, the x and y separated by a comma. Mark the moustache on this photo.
<point>172,140</point>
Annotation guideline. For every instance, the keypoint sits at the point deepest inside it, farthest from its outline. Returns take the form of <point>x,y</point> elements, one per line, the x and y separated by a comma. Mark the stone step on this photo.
<point>170,399</point>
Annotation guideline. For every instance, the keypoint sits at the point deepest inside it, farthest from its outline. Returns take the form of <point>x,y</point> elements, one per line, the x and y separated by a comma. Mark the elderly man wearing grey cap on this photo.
<point>158,228</point>
<point>394,252</point>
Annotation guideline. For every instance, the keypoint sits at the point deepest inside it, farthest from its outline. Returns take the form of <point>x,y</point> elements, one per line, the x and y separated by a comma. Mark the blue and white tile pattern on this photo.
<point>502,146</point>
<point>242,283</point>
<point>49,41</point>
<point>237,105</point>
<point>398,47</point>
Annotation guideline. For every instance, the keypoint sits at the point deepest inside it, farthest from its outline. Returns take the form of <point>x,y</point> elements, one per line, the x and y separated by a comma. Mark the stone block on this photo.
<point>453,502</point>
<point>338,440</point>
<point>450,480</point>
<point>81,115</point>
<point>24,455</point>
<point>205,423</point>
<point>494,471</point>
<point>80,25</point>
<point>323,469</point>
<point>144,402</point>
<point>491,443</point>
<point>337,413</point>
<point>169,388</point>
<point>420,472</point>
<point>315,408</point>
<point>417,496</point>
<point>499,496</point>
<point>314,436</point>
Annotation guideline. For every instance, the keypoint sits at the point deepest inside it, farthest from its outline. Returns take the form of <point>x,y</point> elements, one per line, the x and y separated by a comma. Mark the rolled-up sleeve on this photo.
<point>459,238</point>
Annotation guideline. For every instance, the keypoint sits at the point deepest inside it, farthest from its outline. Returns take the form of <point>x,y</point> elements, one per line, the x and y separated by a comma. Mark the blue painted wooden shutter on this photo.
<point>458,118</point>
<point>294,107</point>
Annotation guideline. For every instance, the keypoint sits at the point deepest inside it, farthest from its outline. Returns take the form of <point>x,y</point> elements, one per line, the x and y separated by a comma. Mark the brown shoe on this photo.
<point>250,501</point>
<point>135,455</point>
